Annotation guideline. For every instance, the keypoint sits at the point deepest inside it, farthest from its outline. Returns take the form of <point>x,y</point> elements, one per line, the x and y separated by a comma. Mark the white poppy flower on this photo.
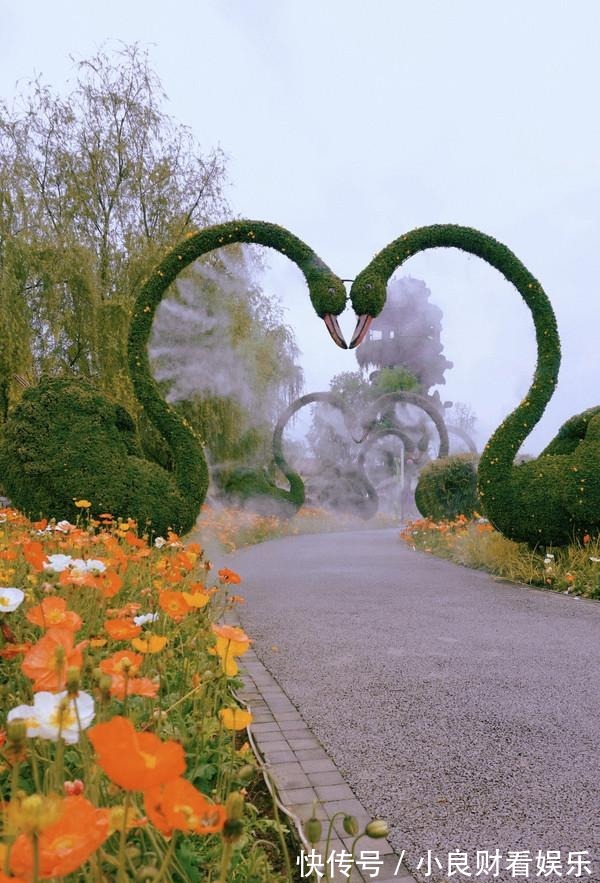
<point>595,560</point>
<point>143,618</point>
<point>57,714</point>
<point>95,564</point>
<point>10,599</point>
<point>159,542</point>
<point>87,566</point>
<point>57,563</point>
<point>64,526</point>
<point>25,713</point>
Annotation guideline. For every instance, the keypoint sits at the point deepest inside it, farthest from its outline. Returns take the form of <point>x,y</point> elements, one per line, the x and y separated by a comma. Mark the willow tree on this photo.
<point>95,186</point>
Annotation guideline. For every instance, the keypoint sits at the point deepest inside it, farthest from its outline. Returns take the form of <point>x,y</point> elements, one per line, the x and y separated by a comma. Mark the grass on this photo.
<point>574,569</point>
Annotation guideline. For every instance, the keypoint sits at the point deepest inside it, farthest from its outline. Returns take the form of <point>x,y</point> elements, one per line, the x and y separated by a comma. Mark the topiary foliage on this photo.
<point>66,440</point>
<point>448,488</point>
<point>556,497</point>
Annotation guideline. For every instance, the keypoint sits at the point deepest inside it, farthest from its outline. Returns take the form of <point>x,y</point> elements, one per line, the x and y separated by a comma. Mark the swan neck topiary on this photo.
<point>496,464</point>
<point>326,291</point>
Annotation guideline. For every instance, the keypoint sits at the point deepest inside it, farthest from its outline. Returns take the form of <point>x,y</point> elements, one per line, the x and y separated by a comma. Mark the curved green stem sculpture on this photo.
<point>368,502</point>
<point>549,500</point>
<point>66,441</point>
<point>384,403</point>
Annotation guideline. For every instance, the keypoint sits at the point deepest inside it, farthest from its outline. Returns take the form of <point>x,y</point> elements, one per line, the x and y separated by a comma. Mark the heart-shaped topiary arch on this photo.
<point>47,454</point>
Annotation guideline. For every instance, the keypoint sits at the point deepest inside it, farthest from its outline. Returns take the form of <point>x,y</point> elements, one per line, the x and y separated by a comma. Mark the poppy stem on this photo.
<point>167,859</point>
<point>225,860</point>
<point>123,838</point>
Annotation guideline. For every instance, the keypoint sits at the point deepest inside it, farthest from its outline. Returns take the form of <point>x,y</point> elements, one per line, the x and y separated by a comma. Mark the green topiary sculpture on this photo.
<point>448,488</point>
<point>66,441</point>
<point>549,500</point>
<point>364,496</point>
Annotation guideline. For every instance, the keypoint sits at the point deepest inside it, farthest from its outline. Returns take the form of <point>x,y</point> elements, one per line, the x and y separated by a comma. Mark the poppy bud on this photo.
<point>350,825</point>
<point>377,828</point>
<point>313,829</point>
<point>104,684</point>
<point>234,806</point>
<point>233,829</point>
<point>246,774</point>
<point>73,680</point>
<point>16,732</point>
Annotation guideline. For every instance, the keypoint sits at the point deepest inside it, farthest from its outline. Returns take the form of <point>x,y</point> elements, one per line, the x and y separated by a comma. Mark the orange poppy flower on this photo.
<point>136,542</point>
<point>12,650</point>
<point>53,612</point>
<point>174,605</point>
<point>6,879</point>
<point>229,576</point>
<point>48,660</point>
<point>231,642</point>
<point>34,554</point>
<point>173,575</point>
<point>120,687</point>
<point>234,634</point>
<point>135,761</point>
<point>194,548</point>
<point>8,555</point>
<point>64,845</point>
<point>128,610</point>
<point>122,629</point>
<point>122,663</point>
<point>236,599</point>
<point>109,582</point>
<point>177,805</point>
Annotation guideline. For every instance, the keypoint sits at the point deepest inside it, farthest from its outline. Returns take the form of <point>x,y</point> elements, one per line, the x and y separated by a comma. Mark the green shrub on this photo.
<point>66,441</point>
<point>448,488</point>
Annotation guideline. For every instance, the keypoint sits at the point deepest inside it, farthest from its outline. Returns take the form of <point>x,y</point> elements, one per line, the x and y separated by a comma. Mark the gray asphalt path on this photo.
<point>464,710</point>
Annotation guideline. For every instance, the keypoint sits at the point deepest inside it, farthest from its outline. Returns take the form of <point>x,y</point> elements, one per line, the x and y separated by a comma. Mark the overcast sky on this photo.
<point>350,123</point>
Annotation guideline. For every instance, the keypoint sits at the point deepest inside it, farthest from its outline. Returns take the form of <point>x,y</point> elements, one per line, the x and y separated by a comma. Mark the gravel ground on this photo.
<point>464,710</point>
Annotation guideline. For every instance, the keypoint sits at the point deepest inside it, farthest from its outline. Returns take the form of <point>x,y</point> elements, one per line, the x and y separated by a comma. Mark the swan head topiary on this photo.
<point>367,295</point>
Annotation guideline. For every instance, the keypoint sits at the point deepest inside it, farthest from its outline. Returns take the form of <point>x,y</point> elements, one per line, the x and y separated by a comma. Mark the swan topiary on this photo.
<point>65,440</point>
<point>556,497</point>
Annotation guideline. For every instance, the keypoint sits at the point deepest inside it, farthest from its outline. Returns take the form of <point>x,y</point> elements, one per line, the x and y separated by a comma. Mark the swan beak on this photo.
<point>334,329</point>
<point>362,326</point>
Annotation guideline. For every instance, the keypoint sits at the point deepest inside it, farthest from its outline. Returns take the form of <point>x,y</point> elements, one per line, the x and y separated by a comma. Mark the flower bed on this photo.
<point>230,528</point>
<point>574,569</point>
<point>119,757</point>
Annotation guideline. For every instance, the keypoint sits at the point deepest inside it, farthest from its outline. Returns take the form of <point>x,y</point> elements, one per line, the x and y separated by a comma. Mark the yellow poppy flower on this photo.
<point>150,644</point>
<point>196,599</point>
<point>235,718</point>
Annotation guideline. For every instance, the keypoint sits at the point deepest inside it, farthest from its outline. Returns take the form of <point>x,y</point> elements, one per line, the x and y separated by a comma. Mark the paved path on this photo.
<point>464,710</point>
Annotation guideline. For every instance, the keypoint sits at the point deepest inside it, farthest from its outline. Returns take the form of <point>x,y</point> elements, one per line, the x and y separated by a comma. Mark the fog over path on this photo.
<point>464,710</point>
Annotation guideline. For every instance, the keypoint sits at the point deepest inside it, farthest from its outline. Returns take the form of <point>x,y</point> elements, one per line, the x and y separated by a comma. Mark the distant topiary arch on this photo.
<point>366,502</point>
